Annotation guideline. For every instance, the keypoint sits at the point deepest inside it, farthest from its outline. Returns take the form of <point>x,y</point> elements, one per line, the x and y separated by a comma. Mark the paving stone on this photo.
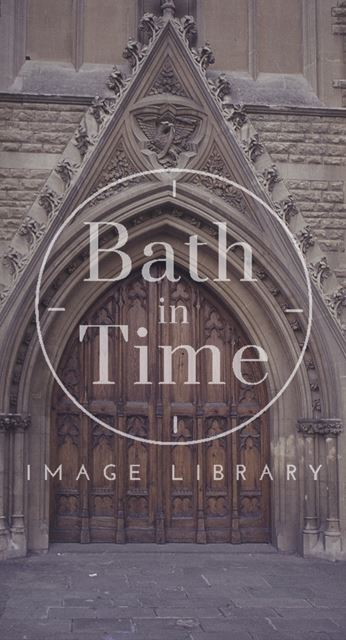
<point>193,612</point>
<point>70,613</point>
<point>31,629</point>
<point>164,624</point>
<point>161,595</point>
<point>105,625</point>
<point>304,625</point>
<point>126,612</point>
<point>251,613</point>
<point>331,601</point>
<point>307,614</point>
<point>282,592</point>
<point>240,635</point>
<point>22,613</point>
<point>275,635</point>
<point>235,625</point>
<point>272,602</point>
<point>136,635</point>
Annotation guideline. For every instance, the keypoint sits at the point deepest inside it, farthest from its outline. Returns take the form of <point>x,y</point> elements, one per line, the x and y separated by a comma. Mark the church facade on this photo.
<point>173,274</point>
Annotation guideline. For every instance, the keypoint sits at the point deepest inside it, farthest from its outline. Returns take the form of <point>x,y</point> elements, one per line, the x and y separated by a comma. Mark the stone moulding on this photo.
<point>14,422</point>
<point>320,427</point>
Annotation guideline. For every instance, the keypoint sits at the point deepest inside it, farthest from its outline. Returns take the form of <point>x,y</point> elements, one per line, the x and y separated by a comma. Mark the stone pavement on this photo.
<point>171,592</point>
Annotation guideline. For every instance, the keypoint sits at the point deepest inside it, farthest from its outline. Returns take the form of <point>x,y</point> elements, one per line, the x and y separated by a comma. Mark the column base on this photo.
<point>4,542</point>
<point>332,545</point>
<point>312,543</point>
<point>18,544</point>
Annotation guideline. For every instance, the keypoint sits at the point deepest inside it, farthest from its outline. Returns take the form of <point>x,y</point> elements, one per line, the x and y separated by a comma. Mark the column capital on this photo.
<point>14,422</point>
<point>321,426</point>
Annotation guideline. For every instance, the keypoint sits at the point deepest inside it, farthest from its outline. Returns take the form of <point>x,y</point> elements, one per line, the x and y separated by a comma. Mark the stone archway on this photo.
<point>259,311</point>
<point>163,494</point>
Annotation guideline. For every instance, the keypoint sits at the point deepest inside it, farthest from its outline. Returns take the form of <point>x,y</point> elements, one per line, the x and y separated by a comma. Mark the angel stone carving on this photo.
<point>168,136</point>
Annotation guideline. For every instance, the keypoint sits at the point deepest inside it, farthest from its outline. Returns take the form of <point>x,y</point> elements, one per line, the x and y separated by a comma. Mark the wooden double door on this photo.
<point>175,493</point>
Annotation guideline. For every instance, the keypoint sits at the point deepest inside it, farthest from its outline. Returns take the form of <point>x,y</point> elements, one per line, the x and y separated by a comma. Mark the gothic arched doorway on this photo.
<point>177,493</point>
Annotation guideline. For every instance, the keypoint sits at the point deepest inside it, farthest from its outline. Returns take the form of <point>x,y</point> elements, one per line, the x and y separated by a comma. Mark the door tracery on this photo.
<point>159,494</point>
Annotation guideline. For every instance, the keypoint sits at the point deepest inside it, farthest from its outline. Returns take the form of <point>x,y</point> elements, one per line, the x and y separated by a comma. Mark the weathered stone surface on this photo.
<point>25,125</point>
<point>305,139</point>
<point>30,129</point>
<point>55,597</point>
<point>323,205</point>
<point>18,192</point>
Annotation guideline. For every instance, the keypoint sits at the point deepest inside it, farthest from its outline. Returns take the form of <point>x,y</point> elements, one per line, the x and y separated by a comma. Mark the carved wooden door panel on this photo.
<point>114,489</point>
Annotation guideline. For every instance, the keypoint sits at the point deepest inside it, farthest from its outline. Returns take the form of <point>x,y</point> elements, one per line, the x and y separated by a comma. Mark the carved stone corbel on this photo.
<point>306,239</point>
<point>253,147</point>
<point>116,81</point>
<point>187,26</point>
<point>100,107</point>
<point>271,177</point>
<point>32,230</point>
<point>320,272</point>
<point>150,24</point>
<point>134,53</point>
<point>15,262</point>
<point>82,140</point>
<point>237,116</point>
<point>221,87</point>
<point>204,56</point>
<point>337,302</point>
<point>50,201</point>
<point>287,209</point>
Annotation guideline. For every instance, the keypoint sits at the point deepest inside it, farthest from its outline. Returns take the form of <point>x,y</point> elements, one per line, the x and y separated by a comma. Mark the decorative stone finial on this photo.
<point>168,8</point>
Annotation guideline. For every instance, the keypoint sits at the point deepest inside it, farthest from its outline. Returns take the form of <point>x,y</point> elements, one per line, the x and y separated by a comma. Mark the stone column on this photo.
<point>311,520</point>
<point>18,424</point>
<point>329,429</point>
<point>332,535</point>
<point>3,515</point>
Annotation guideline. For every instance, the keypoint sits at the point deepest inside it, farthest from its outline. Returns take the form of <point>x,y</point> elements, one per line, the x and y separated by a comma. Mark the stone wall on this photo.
<point>303,139</point>
<point>310,152</point>
<point>19,188</point>
<point>32,137</point>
